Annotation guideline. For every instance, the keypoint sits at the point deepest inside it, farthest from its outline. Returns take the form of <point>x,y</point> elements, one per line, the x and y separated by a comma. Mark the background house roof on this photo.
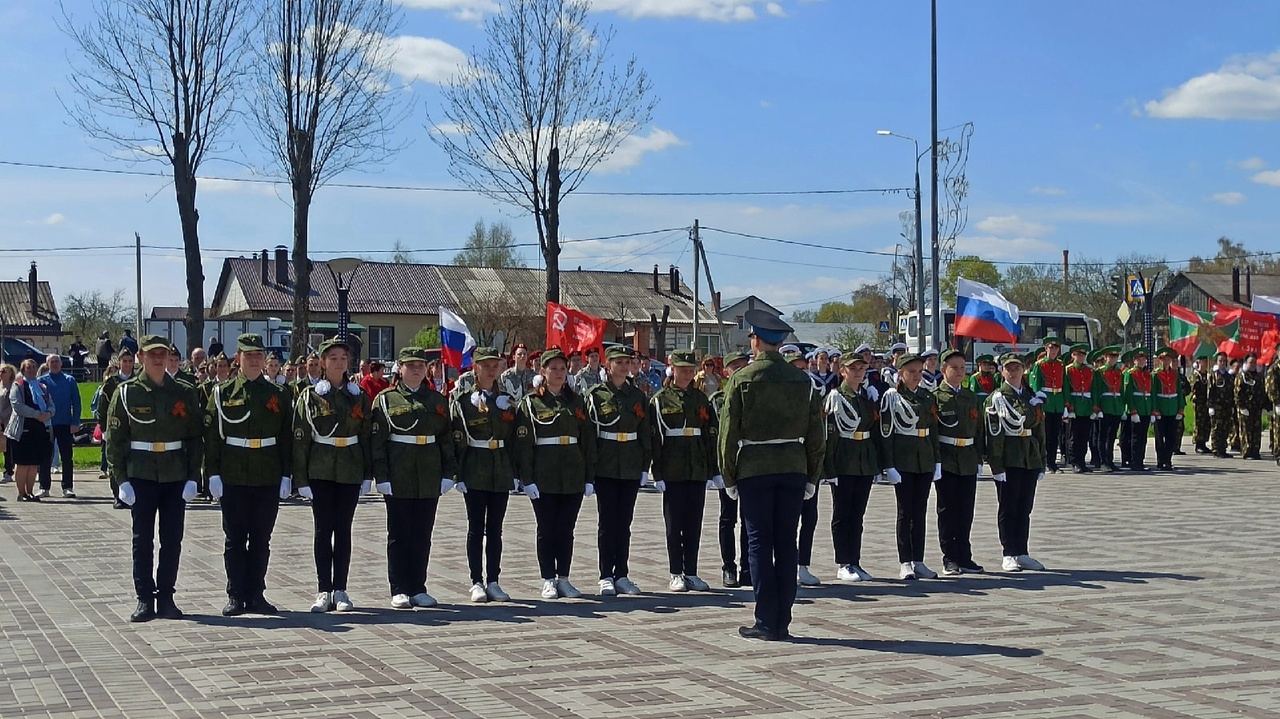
<point>1218,286</point>
<point>15,307</point>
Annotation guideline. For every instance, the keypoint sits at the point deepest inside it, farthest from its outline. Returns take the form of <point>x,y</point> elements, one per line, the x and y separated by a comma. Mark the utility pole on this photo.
<point>137,252</point>
<point>697,242</point>
<point>1066,264</point>
<point>715,298</point>
<point>933,195</point>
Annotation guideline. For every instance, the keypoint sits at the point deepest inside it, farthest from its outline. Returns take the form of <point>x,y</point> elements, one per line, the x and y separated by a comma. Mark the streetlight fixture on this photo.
<point>919,260</point>
<point>342,269</point>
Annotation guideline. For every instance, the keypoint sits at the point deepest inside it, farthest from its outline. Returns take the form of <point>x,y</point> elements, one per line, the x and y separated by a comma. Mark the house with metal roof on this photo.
<point>29,313</point>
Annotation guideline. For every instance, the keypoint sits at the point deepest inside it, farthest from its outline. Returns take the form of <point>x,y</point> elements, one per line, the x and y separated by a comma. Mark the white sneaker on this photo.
<point>549,590</point>
<point>625,586</point>
<point>401,601</point>
<point>806,578</point>
<point>606,588</point>
<point>677,584</point>
<point>1026,562</point>
<point>567,590</point>
<point>342,602</point>
<point>478,593</point>
<point>423,600</point>
<point>496,594</point>
<point>907,571</point>
<point>848,574</point>
<point>696,584</point>
<point>42,493</point>
<point>924,572</point>
<point>1010,564</point>
<point>323,602</point>
<point>866,576</point>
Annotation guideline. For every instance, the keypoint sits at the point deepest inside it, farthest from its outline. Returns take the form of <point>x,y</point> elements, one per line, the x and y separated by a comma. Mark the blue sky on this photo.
<point>1100,127</point>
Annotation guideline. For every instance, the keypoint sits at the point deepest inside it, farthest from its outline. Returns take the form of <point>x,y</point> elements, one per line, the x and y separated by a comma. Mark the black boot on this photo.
<point>729,578</point>
<point>260,605</point>
<point>144,613</point>
<point>166,609</point>
<point>234,607</point>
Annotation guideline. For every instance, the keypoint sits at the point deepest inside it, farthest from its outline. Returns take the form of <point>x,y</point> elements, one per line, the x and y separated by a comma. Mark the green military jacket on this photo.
<point>1081,390</point>
<point>155,414</point>
<point>1168,399</point>
<point>983,384</point>
<point>1200,389</point>
<point>1049,376</point>
<point>413,469</point>
<point>771,423</point>
<point>108,393</point>
<point>909,425</point>
<point>855,446</point>
<point>183,375</point>
<point>1138,388</point>
<point>482,441</point>
<point>624,447</point>
<point>1222,391</point>
<point>555,442</point>
<point>681,422</point>
<point>1014,429</point>
<point>239,417</point>
<point>1250,391</point>
<point>959,423</point>
<point>1108,386</point>
<point>331,437</point>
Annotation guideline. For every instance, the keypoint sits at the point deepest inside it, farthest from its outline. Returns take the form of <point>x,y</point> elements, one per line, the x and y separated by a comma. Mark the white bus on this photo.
<point>1070,327</point>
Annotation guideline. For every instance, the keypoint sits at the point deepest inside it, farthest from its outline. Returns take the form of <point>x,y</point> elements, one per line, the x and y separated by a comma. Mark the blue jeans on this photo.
<point>771,505</point>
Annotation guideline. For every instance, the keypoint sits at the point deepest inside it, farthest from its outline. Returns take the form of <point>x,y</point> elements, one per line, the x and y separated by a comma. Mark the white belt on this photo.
<point>545,441</point>
<point>338,442</point>
<point>1141,394</point>
<point>418,439</point>
<point>855,435</point>
<point>912,432</point>
<point>749,442</point>
<point>956,441</point>
<point>1110,394</point>
<point>485,443</point>
<point>684,432</point>
<point>251,443</point>
<point>1167,396</point>
<point>1051,390</point>
<point>620,436</point>
<point>155,446</point>
<point>1019,433</point>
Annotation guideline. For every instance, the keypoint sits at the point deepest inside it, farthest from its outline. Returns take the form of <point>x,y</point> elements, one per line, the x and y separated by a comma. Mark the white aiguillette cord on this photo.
<point>902,414</point>
<point>1003,417</point>
<point>843,412</point>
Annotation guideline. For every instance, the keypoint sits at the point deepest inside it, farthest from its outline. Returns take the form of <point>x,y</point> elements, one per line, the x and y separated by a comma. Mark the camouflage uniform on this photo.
<point>1222,405</point>
<point>1250,401</point>
<point>1272,386</point>
<point>1200,401</point>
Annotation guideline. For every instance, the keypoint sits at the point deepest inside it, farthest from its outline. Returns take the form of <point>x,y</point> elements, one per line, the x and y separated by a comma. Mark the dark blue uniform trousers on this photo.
<point>771,505</point>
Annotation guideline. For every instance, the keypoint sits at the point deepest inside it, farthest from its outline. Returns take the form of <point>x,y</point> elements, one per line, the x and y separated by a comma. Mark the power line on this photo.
<point>798,243</point>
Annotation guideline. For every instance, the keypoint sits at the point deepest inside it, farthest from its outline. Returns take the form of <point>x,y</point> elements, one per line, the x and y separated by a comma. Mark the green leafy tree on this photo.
<point>90,313</point>
<point>804,316</point>
<point>494,247</point>
<point>970,267</point>
<point>835,312</point>
<point>428,337</point>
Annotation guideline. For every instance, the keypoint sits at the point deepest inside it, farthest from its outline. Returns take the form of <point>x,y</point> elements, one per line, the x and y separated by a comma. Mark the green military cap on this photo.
<point>1248,355</point>
<point>153,342</point>
<point>480,354</point>
<point>416,354</point>
<point>851,359</point>
<point>550,354</point>
<point>907,359</point>
<point>949,354</point>
<point>123,352</point>
<point>736,356</point>
<point>1031,357</point>
<point>683,358</point>
<point>313,355</point>
<point>331,343</point>
<point>985,358</point>
<point>220,357</point>
<point>1094,355</point>
<point>1170,352</point>
<point>1110,350</point>
<point>249,342</point>
<point>618,352</point>
<point>1050,340</point>
<point>1011,357</point>
<point>1079,347</point>
<point>1135,352</point>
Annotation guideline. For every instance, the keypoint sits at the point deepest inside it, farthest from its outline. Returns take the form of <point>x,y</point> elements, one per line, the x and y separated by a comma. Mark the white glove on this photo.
<point>810,490</point>
<point>1153,419</point>
<point>999,477</point>
<point>1096,415</point>
<point>384,488</point>
<point>1211,410</point>
<point>1277,410</point>
<point>644,478</point>
<point>125,494</point>
<point>503,402</point>
<point>937,471</point>
<point>1068,414</point>
<point>588,490</point>
<point>830,480</point>
<point>660,485</point>
<point>365,486</point>
<point>286,488</point>
<point>189,491</point>
<point>1135,418</point>
<point>893,476</point>
<point>732,492</point>
<point>1040,476</point>
<point>1038,399</point>
<point>718,481</point>
<point>461,487</point>
<point>446,484</point>
<point>531,491</point>
<point>305,492</point>
<point>1244,413</point>
<point>873,394</point>
<point>1179,417</point>
<point>215,486</point>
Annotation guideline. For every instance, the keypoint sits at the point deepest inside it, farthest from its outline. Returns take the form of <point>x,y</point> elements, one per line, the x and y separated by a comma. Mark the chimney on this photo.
<point>266,269</point>
<point>1235,284</point>
<point>656,286</point>
<point>282,266</point>
<point>675,280</point>
<point>1248,285</point>
<point>33,290</point>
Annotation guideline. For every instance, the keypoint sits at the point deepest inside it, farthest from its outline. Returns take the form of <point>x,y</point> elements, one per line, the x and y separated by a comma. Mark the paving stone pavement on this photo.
<point>1160,601</point>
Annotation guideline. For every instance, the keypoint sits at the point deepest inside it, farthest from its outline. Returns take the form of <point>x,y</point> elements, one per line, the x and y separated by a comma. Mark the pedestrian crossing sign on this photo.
<point>883,327</point>
<point>1137,290</point>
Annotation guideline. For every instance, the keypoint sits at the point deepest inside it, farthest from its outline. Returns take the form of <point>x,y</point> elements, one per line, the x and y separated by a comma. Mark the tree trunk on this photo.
<point>301,272</point>
<point>551,252</point>
<point>184,184</point>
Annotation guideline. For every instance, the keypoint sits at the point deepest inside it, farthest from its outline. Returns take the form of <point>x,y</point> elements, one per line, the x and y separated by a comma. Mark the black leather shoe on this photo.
<point>755,633</point>
<point>144,613</point>
<point>729,578</point>
<point>119,505</point>
<point>260,605</point>
<point>234,608</point>
<point>166,609</point>
<point>744,579</point>
<point>971,566</point>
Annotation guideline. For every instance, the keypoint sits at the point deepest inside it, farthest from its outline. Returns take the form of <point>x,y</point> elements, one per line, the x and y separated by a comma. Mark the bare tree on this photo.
<point>325,104</point>
<point>494,247</point>
<point>536,109</point>
<point>494,316</point>
<point>158,79</point>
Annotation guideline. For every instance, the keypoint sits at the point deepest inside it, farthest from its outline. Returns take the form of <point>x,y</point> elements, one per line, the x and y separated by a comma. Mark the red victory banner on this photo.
<point>1235,331</point>
<point>1253,325</point>
<point>573,330</point>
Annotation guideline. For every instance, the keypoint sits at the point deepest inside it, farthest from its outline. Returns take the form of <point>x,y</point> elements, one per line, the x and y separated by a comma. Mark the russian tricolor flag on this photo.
<point>456,342</point>
<point>983,313</point>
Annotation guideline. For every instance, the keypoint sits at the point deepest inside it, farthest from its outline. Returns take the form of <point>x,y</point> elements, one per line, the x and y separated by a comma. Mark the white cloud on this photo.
<point>775,10</point>
<point>1013,226</point>
<point>635,147</point>
<point>424,58</point>
<point>1270,177</point>
<point>210,184</point>
<point>1245,88</point>
<point>1253,163</point>
<point>1227,198</point>
<point>467,10</point>
<point>712,10</point>
<point>1023,249</point>
<point>1050,191</point>
<point>54,219</point>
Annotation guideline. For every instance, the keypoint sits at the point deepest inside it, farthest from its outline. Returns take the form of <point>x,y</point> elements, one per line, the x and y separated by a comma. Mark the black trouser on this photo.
<point>848,506</point>
<point>409,526</point>
<point>808,527</point>
<point>1126,440</point>
<point>615,507</point>
<point>1080,429</point>
<point>956,495</point>
<point>333,508</point>
<point>1107,428</point>
<point>682,507</point>
<point>162,499</point>
<point>913,503</point>
<point>61,436</point>
<point>771,511</point>
<point>1138,441</point>
<point>1167,439</point>
<point>1016,495</point>
<point>1095,443</point>
<point>557,515</point>
<point>485,513</point>
<point>728,524</point>
<point>248,518</point>
<point>8,457</point>
<point>1052,438</point>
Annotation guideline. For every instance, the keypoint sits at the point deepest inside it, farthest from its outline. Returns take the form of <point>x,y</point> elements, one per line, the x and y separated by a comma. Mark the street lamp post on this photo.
<point>342,270</point>
<point>919,259</point>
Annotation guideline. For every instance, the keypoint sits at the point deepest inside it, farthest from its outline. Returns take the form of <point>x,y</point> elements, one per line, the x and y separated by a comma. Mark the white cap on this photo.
<point>898,347</point>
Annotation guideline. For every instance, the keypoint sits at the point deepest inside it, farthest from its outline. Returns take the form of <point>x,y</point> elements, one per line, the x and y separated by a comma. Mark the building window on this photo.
<point>382,342</point>
<point>741,324</point>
